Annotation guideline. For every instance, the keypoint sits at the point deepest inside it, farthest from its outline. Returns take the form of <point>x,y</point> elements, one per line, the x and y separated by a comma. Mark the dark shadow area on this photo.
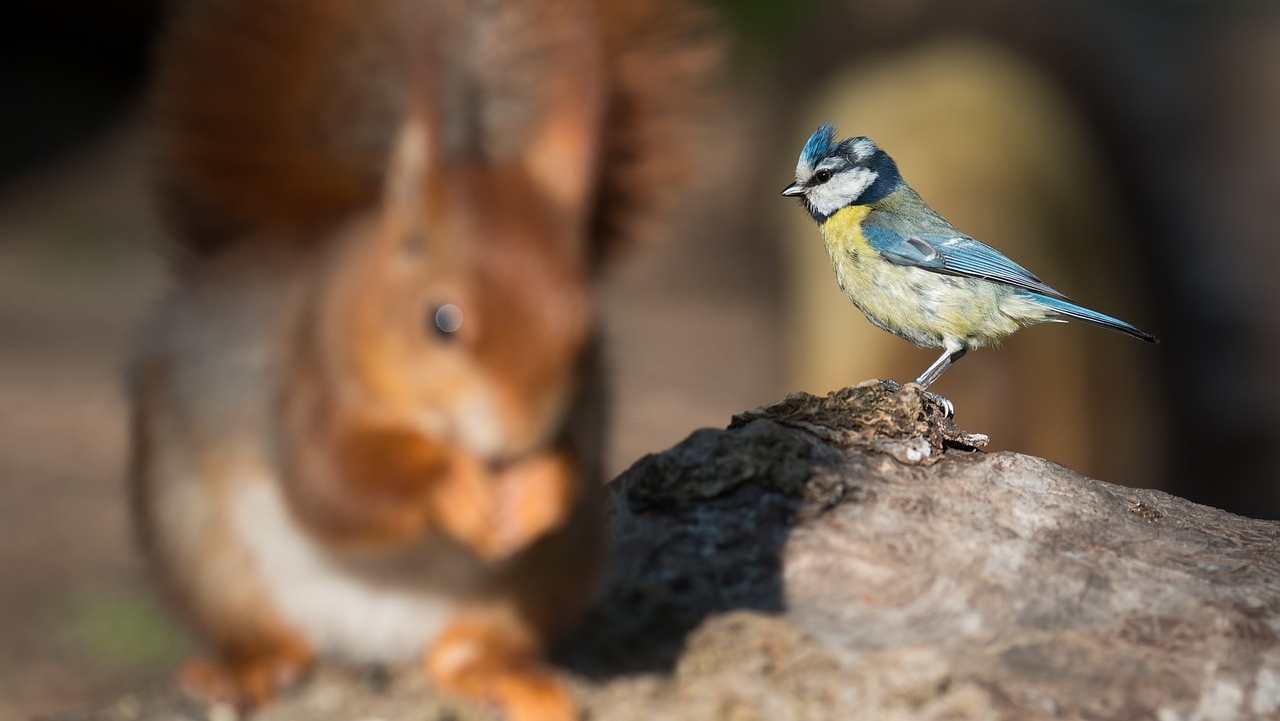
<point>66,71</point>
<point>675,564</point>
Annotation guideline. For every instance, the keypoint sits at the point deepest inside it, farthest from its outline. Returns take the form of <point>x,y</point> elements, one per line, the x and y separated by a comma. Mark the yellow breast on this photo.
<point>844,227</point>
<point>858,267</point>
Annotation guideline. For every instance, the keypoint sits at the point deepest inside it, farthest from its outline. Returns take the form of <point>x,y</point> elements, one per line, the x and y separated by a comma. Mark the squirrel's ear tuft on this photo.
<point>406,171</point>
<point>413,182</point>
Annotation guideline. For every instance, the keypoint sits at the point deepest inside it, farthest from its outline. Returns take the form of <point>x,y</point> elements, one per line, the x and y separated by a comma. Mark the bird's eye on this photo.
<point>445,320</point>
<point>821,177</point>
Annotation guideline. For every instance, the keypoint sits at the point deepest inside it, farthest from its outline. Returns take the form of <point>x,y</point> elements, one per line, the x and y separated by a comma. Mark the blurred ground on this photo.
<point>73,281</point>
<point>75,277</point>
<point>78,269</point>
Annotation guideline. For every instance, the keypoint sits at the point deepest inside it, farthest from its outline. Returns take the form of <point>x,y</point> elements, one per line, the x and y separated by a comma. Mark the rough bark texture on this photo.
<point>853,557</point>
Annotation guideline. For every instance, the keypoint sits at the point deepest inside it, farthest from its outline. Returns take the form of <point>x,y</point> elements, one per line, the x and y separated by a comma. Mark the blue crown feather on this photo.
<point>820,144</point>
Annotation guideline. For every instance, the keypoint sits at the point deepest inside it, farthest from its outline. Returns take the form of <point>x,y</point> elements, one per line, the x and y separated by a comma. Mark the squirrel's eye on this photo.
<point>445,320</point>
<point>821,176</point>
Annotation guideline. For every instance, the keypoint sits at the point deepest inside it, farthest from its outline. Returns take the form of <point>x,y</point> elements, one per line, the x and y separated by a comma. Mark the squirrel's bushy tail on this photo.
<point>279,115</point>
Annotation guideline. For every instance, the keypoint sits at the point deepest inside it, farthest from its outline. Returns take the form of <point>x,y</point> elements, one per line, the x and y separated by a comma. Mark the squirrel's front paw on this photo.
<point>533,497</point>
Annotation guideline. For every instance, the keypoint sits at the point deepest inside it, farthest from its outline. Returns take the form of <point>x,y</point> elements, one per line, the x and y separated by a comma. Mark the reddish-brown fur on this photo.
<point>334,171</point>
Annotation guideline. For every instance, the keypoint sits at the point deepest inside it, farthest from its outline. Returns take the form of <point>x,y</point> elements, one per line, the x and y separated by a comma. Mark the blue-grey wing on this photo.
<point>953,255</point>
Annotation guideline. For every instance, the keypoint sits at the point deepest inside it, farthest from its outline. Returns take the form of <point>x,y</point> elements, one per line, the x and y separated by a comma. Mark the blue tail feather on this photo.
<point>1092,317</point>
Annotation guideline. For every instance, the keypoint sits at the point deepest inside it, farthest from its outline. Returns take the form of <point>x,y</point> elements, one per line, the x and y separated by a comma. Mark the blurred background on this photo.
<point>1126,152</point>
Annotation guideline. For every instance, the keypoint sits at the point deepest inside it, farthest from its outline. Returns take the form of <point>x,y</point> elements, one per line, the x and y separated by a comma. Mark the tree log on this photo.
<point>855,557</point>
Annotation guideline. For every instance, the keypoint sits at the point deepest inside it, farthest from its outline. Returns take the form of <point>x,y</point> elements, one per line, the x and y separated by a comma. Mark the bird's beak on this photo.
<point>793,190</point>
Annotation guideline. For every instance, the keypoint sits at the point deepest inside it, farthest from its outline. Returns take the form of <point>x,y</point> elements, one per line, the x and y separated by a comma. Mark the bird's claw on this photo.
<point>948,408</point>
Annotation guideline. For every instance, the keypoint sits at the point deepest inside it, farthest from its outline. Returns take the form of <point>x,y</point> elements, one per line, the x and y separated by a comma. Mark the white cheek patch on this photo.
<point>843,189</point>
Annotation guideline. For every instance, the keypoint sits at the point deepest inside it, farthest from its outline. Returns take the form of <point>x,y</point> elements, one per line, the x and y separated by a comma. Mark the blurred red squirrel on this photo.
<point>367,416</point>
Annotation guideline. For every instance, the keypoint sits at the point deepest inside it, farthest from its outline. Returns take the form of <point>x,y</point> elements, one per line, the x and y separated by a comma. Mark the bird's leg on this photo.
<point>949,356</point>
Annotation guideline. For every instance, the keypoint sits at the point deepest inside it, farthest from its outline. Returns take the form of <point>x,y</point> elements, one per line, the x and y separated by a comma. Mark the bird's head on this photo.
<point>831,175</point>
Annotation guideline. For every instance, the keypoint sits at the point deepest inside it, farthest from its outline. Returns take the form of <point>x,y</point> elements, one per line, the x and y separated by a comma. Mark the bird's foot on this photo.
<point>948,408</point>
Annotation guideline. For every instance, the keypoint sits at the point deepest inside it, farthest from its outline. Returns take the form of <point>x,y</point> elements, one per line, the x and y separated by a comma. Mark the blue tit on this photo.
<point>909,270</point>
